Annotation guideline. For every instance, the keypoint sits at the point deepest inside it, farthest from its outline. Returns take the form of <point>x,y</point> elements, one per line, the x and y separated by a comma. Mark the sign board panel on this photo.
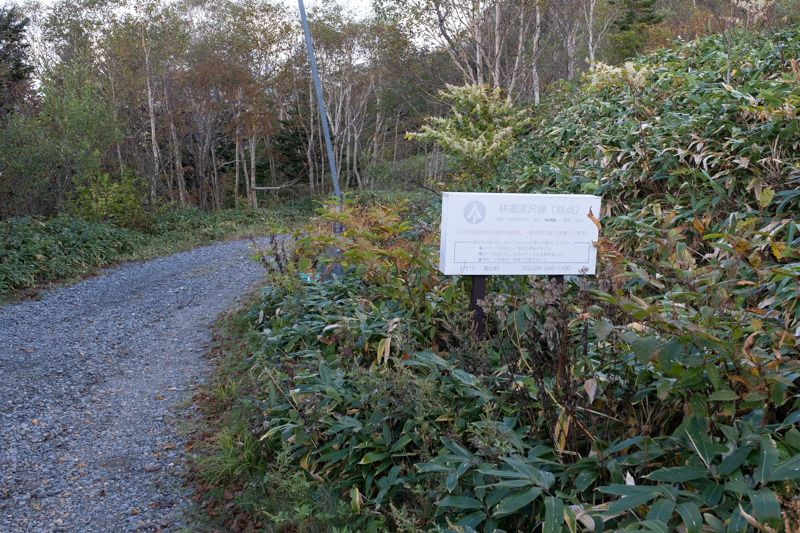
<point>487,234</point>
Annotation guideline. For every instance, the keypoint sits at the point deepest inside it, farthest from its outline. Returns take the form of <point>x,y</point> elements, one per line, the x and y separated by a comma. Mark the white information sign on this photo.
<point>504,234</point>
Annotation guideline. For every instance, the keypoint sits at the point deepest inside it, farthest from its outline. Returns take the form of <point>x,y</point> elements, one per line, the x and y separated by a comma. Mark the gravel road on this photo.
<point>89,380</point>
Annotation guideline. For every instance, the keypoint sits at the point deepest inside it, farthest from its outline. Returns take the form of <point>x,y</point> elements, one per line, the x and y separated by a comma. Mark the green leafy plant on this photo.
<point>659,395</point>
<point>34,250</point>
<point>481,130</point>
<point>101,198</point>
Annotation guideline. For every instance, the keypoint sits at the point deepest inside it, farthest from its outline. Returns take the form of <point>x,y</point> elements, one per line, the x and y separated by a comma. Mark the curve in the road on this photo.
<point>89,378</point>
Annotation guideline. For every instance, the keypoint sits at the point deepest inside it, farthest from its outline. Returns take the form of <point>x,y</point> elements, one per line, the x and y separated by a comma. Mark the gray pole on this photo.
<point>336,267</point>
<point>323,117</point>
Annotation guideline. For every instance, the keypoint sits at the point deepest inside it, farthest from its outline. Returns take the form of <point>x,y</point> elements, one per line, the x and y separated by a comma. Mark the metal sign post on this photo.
<point>336,253</point>
<point>337,228</point>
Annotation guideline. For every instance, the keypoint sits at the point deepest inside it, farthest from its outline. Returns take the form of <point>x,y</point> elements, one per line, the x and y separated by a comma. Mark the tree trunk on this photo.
<point>595,34</point>
<point>396,138</point>
<point>498,42</point>
<point>246,174</point>
<point>588,12</point>
<point>379,130</point>
<point>178,164</point>
<point>571,48</point>
<point>311,141</point>
<point>215,190</point>
<point>151,112</point>
<point>478,34</point>
<point>537,50</point>
<point>236,147</point>
<point>347,164</point>
<point>253,145</point>
<point>522,34</point>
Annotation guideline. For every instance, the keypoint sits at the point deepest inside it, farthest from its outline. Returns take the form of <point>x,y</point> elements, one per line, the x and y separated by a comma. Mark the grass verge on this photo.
<point>239,488</point>
<point>36,253</point>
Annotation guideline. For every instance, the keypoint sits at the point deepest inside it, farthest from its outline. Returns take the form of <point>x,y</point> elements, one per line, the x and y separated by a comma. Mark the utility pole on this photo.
<point>337,228</point>
<point>336,267</point>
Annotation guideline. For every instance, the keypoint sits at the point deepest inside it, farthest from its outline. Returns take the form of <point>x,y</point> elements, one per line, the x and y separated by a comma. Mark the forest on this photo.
<point>114,110</point>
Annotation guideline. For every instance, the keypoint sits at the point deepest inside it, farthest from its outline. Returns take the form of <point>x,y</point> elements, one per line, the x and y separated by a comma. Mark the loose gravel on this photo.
<point>91,378</point>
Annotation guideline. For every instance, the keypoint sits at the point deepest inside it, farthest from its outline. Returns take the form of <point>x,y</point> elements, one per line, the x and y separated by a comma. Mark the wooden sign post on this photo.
<point>489,234</point>
<point>476,311</point>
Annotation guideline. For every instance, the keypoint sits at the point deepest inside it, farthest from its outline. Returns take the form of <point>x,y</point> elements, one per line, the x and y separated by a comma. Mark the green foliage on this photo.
<point>787,12</point>
<point>635,20</point>
<point>14,67</point>
<point>67,144</point>
<point>691,340</point>
<point>573,396</point>
<point>408,173</point>
<point>33,194</point>
<point>101,198</point>
<point>34,250</point>
<point>660,394</point>
<point>384,249</point>
<point>181,229</point>
<point>684,126</point>
<point>480,132</point>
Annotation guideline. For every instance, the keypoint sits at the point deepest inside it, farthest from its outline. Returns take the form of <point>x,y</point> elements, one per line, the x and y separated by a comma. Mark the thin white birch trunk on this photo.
<point>151,112</point>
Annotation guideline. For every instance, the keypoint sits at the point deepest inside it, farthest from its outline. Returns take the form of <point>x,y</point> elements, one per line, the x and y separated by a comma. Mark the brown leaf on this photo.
<point>755,523</point>
<point>590,386</point>
<point>228,496</point>
<point>241,522</point>
<point>748,345</point>
<point>594,219</point>
<point>740,379</point>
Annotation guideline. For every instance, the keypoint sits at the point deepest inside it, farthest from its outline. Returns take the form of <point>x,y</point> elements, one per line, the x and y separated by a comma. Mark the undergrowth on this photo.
<point>578,410</point>
<point>237,487</point>
<point>659,395</point>
<point>35,251</point>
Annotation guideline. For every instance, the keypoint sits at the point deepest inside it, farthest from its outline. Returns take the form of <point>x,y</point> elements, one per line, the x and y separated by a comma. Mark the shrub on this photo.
<point>33,250</point>
<point>551,419</point>
<point>660,394</point>
<point>479,133</point>
<point>412,172</point>
<point>100,198</point>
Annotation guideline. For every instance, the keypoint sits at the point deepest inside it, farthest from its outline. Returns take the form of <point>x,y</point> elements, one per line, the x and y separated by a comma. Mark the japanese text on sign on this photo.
<point>505,234</point>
